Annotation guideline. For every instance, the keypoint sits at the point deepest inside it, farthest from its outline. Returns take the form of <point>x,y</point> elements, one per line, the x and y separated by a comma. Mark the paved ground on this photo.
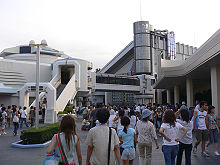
<point>11,156</point>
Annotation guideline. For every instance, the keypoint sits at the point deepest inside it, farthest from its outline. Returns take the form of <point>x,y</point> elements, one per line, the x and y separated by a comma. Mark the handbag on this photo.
<point>109,144</point>
<point>15,119</point>
<point>62,153</point>
<point>51,160</point>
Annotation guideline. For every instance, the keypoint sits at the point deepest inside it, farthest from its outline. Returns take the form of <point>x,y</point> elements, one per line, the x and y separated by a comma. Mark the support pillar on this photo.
<point>159,96</point>
<point>215,88</point>
<point>106,98</point>
<point>176,94</point>
<point>168,96</point>
<point>189,92</point>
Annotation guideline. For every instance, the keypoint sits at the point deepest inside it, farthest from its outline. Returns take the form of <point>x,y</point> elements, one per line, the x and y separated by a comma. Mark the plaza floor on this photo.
<point>36,156</point>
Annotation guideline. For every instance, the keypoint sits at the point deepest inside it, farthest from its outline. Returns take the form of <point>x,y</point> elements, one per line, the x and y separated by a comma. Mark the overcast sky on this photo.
<point>96,30</point>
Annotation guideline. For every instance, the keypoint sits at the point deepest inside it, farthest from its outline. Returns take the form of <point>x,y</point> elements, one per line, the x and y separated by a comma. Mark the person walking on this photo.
<point>118,120</point>
<point>15,119</point>
<point>133,119</point>
<point>127,137</point>
<point>111,118</point>
<point>4,118</point>
<point>103,142</point>
<point>159,116</point>
<point>202,134</point>
<point>23,117</point>
<point>213,129</point>
<point>32,115</point>
<point>9,116</point>
<point>169,130</point>
<point>146,132</point>
<point>67,139</point>
<point>186,143</point>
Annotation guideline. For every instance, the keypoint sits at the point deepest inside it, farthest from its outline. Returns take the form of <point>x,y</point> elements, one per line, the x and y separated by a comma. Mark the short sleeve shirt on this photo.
<point>171,132</point>
<point>187,139</point>
<point>212,121</point>
<point>98,137</point>
<point>127,138</point>
<point>146,132</point>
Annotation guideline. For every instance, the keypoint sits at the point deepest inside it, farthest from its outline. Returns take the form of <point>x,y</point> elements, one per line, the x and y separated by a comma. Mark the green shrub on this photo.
<point>40,135</point>
<point>61,112</point>
<point>68,110</point>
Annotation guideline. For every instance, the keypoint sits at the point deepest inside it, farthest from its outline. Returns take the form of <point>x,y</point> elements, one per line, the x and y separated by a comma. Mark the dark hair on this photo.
<point>24,108</point>
<point>32,107</point>
<point>68,126</point>
<point>202,103</point>
<point>102,115</point>
<point>169,117</point>
<point>9,107</point>
<point>185,115</point>
<point>132,112</point>
<point>210,109</point>
<point>14,110</point>
<point>121,113</point>
<point>125,121</point>
<point>3,108</point>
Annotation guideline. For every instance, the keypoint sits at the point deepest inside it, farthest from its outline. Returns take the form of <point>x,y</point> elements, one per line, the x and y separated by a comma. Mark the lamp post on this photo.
<point>32,44</point>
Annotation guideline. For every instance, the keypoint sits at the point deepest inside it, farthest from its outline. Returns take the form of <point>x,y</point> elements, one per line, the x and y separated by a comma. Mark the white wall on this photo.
<point>24,70</point>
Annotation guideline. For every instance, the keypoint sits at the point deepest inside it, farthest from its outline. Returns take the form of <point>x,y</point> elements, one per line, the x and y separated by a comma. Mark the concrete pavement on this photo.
<point>36,156</point>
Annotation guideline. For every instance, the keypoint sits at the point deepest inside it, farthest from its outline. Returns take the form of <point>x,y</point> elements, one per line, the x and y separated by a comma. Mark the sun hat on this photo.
<point>146,113</point>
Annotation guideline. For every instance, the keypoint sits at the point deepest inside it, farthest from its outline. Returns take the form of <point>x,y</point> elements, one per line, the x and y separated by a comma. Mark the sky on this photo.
<point>96,30</point>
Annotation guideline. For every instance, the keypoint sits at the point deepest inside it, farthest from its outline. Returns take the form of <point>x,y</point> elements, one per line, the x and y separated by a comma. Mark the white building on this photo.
<point>62,79</point>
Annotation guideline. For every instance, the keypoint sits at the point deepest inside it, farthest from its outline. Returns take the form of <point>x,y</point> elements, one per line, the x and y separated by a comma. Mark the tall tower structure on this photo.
<point>142,48</point>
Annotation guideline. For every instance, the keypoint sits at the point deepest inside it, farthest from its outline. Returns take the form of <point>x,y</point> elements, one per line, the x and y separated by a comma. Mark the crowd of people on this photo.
<point>16,116</point>
<point>121,131</point>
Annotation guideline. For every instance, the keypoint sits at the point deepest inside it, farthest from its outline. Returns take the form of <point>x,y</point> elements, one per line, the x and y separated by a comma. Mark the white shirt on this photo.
<point>119,127</point>
<point>133,121</point>
<point>137,109</point>
<point>110,120</point>
<point>201,120</point>
<point>171,132</point>
<point>23,113</point>
<point>187,139</point>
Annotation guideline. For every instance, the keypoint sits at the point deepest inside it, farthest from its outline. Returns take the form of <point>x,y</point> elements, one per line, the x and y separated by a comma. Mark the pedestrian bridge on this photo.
<point>109,82</point>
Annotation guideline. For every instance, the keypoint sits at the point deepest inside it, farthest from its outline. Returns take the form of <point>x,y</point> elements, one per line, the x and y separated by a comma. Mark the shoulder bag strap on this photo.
<point>109,145</point>
<point>61,146</point>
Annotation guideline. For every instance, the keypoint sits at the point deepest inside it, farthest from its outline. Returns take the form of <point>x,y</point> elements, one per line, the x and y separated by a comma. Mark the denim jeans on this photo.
<point>170,153</point>
<point>32,122</point>
<point>188,150</point>
<point>23,120</point>
<point>15,127</point>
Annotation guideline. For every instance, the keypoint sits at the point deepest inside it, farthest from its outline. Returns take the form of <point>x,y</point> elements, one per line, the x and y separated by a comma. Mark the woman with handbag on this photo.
<point>66,143</point>
<point>15,119</point>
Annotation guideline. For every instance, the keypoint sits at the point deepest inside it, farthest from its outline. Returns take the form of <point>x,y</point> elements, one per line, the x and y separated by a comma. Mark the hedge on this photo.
<point>40,135</point>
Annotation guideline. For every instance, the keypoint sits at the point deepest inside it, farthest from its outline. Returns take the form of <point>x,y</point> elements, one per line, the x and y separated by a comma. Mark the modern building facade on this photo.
<point>141,60</point>
<point>196,78</point>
